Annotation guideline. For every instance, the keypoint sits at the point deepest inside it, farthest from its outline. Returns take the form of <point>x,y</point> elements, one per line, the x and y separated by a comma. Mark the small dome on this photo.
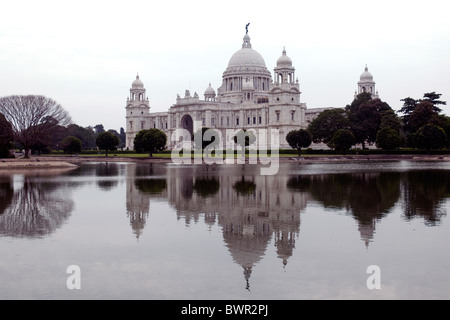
<point>284,60</point>
<point>366,75</point>
<point>137,84</point>
<point>210,90</point>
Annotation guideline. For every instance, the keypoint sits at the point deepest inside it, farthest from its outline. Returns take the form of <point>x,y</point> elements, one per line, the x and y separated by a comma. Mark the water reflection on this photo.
<point>254,210</point>
<point>250,209</point>
<point>251,212</point>
<point>32,207</point>
<point>367,196</point>
<point>424,194</point>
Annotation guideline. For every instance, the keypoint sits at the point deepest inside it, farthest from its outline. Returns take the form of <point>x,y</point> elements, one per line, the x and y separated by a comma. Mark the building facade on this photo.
<point>249,98</point>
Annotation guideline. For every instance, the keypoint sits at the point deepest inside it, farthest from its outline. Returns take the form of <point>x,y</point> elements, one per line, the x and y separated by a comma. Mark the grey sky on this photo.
<point>85,54</point>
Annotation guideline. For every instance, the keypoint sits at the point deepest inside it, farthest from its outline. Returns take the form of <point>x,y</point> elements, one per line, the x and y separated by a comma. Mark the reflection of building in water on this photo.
<point>140,185</point>
<point>249,208</point>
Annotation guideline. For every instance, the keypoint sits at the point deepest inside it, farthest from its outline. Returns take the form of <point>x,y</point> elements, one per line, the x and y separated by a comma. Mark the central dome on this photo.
<point>246,56</point>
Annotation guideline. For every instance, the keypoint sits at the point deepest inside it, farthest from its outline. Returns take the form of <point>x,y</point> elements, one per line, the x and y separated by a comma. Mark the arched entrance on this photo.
<point>188,124</point>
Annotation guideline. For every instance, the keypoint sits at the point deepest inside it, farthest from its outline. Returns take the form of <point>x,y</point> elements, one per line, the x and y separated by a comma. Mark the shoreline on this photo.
<point>42,162</point>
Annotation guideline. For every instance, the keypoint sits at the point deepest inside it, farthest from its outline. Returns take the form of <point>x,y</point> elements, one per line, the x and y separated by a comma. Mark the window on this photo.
<point>293,115</point>
<point>203,122</point>
<point>278,115</point>
<point>248,120</point>
<point>166,125</point>
<point>131,125</point>
<point>254,120</point>
<point>260,120</point>
<point>228,121</point>
<point>221,121</point>
<point>213,121</point>
<point>237,121</point>
<point>142,125</point>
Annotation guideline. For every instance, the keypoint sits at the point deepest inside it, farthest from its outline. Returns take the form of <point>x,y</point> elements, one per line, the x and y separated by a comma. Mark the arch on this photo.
<point>188,124</point>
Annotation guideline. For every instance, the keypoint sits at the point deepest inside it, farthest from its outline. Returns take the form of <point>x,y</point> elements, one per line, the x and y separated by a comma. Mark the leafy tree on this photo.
<point>6,137</point>
<point>388,139</point>
<point>107,141</point>
<point>299,139</point>
<point>365,118</point>
<point>200,134</point>
<point>245,138</point>
<point>33,118</point>
<point>430,137</point>
<point>151,141</point>
<point>99,128</point>
<point>343,140</point>
<point>409,105</point>
<point>433,98</point>
<point>86,135</point>
<point>327,123</point>
<point>422,115</point>
<point>122,137</point>
<point>71,145</point>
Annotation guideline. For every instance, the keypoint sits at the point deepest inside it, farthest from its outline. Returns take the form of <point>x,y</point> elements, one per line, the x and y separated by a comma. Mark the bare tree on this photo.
<point>33,118</point>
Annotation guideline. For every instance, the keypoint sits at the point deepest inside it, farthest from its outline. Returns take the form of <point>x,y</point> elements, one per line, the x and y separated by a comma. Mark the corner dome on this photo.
<point>366,75</point>
<point>284,60</point>
<point>210,90</point>
<point>137,84</point>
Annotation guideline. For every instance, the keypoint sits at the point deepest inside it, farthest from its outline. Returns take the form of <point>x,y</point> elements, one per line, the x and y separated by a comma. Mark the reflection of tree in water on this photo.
<point>244,187</point>
<point>106,171</point>
<point>35,210</point>
<point>151,186</point>
<point>424,195</point>
<point>367,196</point>
<point>206,186</point>
<point>6,193</point>
<point>138,206</point>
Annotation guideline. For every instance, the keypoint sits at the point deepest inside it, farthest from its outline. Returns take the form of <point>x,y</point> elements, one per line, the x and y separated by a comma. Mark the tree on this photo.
<point>6,137</point>
<point>33,118</point>
<point>422,115</point>
<point>114,132</point>
<point>99,129</point>
<point>107,141</point>
<point>299,139</point>
<point>433,98</point>
<point>388,139</point>
<point>365,118</point>
<point>151,141</point>
<point>343,140</point>
<point>71,145</point>
<point>122,137</point>
<point>86,135</point>
<point>430,137</point>
<point>327,123</point>
<point>244,138</point>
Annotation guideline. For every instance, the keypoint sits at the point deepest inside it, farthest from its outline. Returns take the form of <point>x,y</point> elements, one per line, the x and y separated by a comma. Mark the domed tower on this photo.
<point>137,112</point>
<point>246,77</point>
<point>286,113</point>
<point>210,94</point>
<point>366,84</point>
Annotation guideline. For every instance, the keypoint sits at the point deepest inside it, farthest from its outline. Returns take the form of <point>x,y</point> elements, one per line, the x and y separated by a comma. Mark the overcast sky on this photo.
<point>86,54</point>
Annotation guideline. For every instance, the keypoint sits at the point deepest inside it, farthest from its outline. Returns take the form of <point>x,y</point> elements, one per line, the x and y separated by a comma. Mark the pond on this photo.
<point>344,230</point>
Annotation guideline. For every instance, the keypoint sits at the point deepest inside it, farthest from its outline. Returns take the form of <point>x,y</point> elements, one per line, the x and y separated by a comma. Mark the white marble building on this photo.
<point>249,98</point>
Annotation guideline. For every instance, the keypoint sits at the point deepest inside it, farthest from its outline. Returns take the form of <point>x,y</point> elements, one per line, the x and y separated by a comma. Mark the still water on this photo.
<point>162,231</point>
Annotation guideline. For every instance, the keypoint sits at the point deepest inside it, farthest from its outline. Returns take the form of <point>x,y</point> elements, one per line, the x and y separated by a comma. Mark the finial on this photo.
<point>246,28</point>
<point>137,75</point>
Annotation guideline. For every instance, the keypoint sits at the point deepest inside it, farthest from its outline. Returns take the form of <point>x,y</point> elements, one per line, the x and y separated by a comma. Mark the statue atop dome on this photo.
<point>246,28</point>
